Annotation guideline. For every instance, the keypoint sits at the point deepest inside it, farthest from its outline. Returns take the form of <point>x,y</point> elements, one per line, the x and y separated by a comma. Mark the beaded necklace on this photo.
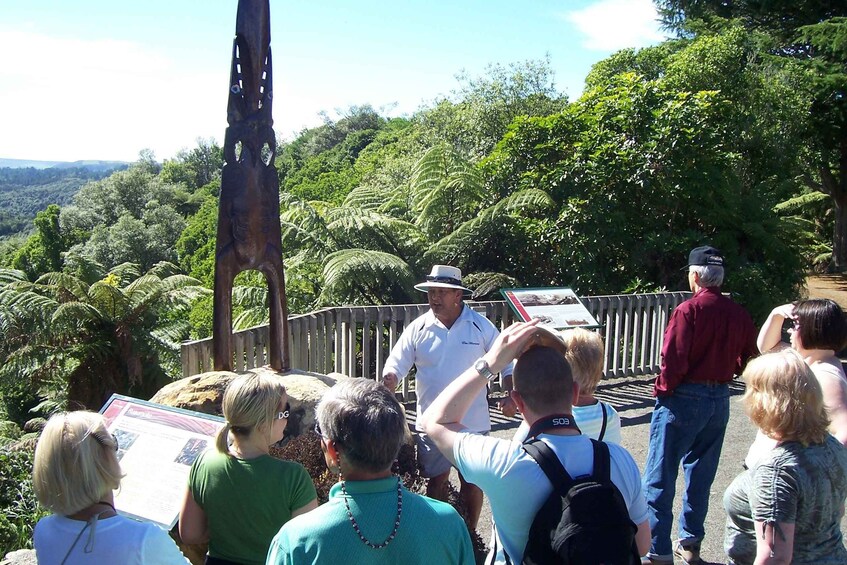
<point>359,530</point>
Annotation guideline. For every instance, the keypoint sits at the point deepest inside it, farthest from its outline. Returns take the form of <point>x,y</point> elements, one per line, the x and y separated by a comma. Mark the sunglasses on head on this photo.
<point>97,436</point>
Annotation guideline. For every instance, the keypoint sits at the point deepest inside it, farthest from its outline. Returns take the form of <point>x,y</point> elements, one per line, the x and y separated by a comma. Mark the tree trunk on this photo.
<point>839,238</point>
<point>835,184</point>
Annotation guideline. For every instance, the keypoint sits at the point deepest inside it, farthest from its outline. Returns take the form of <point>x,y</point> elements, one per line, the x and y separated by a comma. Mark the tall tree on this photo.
<point>807,37</point>
<point>642,171</point>
<point>42,252</point>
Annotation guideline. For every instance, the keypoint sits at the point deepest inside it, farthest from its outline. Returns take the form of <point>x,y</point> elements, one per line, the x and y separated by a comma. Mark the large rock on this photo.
<point>20,557</point>
<point>201,393</point>
<point>204,393</point>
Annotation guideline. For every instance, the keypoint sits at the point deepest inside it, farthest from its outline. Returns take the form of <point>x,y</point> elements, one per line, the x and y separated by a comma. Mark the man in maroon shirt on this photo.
<point>708,340</point>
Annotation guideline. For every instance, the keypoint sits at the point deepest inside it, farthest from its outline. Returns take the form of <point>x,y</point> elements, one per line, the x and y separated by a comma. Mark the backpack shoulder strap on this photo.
<point>602,462</point>
<point>549,463</point>
<point>605,419</point>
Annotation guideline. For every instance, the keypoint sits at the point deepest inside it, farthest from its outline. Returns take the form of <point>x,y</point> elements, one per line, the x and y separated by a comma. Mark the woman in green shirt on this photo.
<point>239,496</point>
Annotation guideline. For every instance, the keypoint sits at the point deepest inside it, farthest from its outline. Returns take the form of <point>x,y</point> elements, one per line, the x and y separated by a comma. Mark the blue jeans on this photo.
<point>687,427</point>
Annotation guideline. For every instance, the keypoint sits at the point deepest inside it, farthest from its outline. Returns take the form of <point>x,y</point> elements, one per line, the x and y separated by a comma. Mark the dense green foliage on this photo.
<point>805,42</point>
<point>75,340</point>
<point>26,191</point>
<point>19,510</point>
<point>696,140</point>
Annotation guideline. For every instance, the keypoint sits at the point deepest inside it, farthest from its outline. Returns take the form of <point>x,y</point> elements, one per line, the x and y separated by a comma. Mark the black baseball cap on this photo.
<point>705,255</point>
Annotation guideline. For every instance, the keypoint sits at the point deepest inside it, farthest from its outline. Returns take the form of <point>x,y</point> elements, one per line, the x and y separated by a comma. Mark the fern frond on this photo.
<point>110,300</point>
<point>455,247</point>
<point>125,272</point>
<point>486,283</point>
<point>59,282</point>
<point>8,276</point>
<point>365,197</point>
<point>364,273</point>
<point>798,203</point>
<point>70,314</point>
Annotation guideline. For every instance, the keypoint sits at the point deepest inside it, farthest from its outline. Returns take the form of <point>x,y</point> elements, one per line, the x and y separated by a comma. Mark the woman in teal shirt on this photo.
<point>370,516</point>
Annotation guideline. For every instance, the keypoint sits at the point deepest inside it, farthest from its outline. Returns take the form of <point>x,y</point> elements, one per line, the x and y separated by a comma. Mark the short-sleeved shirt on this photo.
<point>440,355</point>
<point>430,531</point>
<point>246,501</point>
<point>517,487</point>
<point>792,484</point>
<point>113,540</point>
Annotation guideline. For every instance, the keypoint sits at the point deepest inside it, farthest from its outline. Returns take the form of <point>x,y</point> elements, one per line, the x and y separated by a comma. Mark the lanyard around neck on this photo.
<point>553,422</point>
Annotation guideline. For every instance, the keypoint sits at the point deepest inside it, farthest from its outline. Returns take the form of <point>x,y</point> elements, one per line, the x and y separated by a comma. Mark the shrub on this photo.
<point>9,430</point>
<point>19,510</point>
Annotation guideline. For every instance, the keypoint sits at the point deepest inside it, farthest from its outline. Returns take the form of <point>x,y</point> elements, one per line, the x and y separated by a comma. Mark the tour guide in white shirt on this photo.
<point>441,344</point>
<point>514,483</point>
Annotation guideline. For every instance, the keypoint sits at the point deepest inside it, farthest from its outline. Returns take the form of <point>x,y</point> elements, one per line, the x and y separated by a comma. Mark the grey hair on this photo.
<point>710,275</point>
<point>366,421</point>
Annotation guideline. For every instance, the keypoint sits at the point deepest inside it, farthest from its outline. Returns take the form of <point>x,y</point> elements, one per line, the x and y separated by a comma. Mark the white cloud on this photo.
<point>609,25</point>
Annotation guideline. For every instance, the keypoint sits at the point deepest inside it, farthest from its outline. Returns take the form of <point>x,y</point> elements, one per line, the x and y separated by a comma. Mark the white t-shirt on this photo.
<point>110,540</point>
<point>517,487</point>
<point>440,355</point>
<point>590,422</point>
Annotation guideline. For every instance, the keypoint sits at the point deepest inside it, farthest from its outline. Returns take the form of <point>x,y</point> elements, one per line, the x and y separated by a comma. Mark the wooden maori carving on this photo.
<point>249,235</point>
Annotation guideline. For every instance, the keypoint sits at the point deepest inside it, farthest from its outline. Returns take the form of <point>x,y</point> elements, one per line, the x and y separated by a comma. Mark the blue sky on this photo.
<point>103,79</point>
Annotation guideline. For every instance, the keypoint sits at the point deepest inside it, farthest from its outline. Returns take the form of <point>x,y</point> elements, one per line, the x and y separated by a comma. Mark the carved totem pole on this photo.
<point>249,235</point>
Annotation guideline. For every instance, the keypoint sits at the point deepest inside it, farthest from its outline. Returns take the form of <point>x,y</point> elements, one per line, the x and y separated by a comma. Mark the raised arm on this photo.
<point>771,332</point>
<point>442,420</point>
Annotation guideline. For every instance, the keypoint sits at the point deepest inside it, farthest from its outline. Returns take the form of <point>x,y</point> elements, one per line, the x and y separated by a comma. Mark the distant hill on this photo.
<point>92,165</point>
<point>26,190</point>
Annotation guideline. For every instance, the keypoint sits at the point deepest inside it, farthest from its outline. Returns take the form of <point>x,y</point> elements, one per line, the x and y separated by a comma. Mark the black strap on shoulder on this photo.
<point>549,463</point>
<point>602,462</point>
<point>602,429</point>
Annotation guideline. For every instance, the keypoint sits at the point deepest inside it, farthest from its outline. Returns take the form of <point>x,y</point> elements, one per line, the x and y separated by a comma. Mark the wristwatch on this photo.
<point>481,367</point>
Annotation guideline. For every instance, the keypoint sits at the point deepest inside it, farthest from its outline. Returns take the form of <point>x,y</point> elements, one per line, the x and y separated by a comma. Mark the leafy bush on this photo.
<point>19,510</point>
<point>9,430</point>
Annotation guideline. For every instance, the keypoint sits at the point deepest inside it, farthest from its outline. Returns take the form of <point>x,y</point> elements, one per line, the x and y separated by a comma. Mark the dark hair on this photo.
<point>543,378</point>
<point>822,324</point>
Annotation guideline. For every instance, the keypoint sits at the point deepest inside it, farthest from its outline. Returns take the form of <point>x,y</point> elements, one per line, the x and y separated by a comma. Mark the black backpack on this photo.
<point>583,521</point>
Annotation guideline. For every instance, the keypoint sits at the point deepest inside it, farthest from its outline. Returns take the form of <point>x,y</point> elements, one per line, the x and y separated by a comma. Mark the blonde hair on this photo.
<point>75,463</point>
<point>251,401</point>
<point>586,355</point>
<point>784,398</point>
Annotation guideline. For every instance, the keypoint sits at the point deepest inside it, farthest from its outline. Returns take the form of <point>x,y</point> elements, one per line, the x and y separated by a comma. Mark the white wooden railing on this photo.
<point>331,340</point>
